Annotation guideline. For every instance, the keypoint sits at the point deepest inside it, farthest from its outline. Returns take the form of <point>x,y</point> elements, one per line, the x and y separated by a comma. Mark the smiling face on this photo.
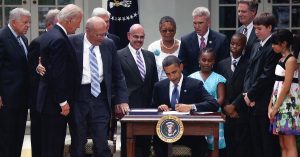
<point>136,36</point>
<point>245,15</point>
<point>167,31</point>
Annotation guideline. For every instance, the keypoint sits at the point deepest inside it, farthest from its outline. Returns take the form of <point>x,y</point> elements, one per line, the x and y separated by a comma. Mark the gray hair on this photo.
<point>100,12</point>
<point>92,21</point>
<point>16,14</point>
<point>68,12</point>
<point>51,17</point>
<point>201,11</point>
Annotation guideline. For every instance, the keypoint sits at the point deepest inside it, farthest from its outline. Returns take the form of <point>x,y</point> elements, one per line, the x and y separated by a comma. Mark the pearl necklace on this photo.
<point>169,48</point>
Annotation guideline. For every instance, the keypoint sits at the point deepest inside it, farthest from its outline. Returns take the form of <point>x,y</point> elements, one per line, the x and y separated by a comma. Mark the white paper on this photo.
<point>175,113</point>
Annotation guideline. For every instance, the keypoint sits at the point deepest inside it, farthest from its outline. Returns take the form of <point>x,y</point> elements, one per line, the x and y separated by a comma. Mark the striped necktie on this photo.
<point>175,96</point>
<point>202,43</point>
<point>95,78</point>
<point>140,65</point>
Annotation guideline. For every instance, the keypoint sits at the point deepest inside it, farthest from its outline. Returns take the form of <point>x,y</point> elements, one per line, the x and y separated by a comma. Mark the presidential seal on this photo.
<point>169,128</point>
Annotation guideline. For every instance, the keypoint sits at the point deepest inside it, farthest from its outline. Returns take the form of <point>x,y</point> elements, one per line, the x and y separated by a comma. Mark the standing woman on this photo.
<point>284,106</point>
<point>165,46</point>
<point>214,83</point>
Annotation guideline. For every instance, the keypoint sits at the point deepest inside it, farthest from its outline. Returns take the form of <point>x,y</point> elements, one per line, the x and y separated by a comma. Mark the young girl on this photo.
<point>284,106</point>
<point>215,85</point>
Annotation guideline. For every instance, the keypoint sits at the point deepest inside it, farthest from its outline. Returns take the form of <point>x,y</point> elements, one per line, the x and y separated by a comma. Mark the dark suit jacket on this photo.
<point>260,76</point>
<point>192,92</point>
<point>189,49</point>
<point>250,42</point>
<point>13,70</point>
<point>62,76</point>
<point>235,80</point>
<point>140,92</point>
<point>116,40</point>
<point>112,72</point>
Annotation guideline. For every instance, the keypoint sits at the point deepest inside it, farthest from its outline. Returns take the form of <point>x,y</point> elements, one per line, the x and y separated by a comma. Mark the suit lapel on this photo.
<point>210,39</point>
<point>147,64</point>
<point>194,43</point>
<point>79,52</point>
<point>19,49</point>
<point>238,68</point>
<point>106,60</point>
<point>132,64</point>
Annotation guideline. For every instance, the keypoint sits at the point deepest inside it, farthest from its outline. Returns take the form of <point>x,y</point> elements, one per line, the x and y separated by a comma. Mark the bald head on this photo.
<point>95,29</point>
<point>136,36</point>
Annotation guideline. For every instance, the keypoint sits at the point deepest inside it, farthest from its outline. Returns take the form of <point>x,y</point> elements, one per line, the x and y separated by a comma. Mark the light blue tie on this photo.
<point>95,78</point>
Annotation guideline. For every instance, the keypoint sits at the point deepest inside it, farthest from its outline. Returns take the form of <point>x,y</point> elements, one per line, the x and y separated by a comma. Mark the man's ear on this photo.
<point>181,66</point>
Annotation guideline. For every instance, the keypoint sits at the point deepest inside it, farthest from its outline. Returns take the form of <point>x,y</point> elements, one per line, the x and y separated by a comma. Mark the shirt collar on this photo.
<point>132,50</point>
<point>262,43</point>
<point>179,83</point>
<point>205,35</point>
<point>13,31</point>
<point>250,26</point>
<point>63,28</point>
<point>237,59</point>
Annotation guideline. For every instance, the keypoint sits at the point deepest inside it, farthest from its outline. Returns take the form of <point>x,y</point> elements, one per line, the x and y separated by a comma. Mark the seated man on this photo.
<point>182,94</point>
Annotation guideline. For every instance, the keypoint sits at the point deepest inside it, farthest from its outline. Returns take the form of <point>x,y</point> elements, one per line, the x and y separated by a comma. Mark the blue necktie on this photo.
<point>175,96</point>
<point>95,78</point>
<point>140,65</point>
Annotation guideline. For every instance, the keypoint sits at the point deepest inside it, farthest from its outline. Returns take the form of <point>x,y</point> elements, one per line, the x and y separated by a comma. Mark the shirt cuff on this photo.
<point>63,103</point>
<point>194,108</point>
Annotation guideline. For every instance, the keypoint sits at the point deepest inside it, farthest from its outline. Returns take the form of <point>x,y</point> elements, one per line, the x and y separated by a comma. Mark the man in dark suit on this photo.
<point>105,15</point>
<point>203,36</point>
<point>139,68</point>
<point>258,86</point>
<point>56,91</point>
<point>236,126</point>
<point>192,96</point>
<point>91,112</point>
<point>13,82</point>
<point>247,11</point>
<point>33,58</point>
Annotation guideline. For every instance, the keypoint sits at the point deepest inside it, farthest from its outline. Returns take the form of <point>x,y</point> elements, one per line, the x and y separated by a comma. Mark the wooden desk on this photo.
<point>193,125</point>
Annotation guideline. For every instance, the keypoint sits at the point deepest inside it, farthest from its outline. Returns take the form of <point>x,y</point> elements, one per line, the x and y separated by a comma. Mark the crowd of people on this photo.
<point>83,79</point>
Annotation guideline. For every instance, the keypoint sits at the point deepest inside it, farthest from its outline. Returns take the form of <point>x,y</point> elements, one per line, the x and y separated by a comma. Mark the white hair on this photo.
<point>201,11</point>
<point>100,12</point>
<point>16,14</point>
<point>68,12</point>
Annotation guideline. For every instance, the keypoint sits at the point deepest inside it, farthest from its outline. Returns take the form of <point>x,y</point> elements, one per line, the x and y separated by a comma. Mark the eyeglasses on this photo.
<point>138,37</point>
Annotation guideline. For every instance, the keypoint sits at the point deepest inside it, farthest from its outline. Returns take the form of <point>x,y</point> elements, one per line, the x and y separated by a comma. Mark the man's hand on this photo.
<point>163,107</point>
<point>122,108</point>
<point>183,107</point>
<point>40,69</point>
<point>1,103</point>
<point>65,110</point>
<point>229,109</point>
<point>234,114</point>
<point>248,101</point>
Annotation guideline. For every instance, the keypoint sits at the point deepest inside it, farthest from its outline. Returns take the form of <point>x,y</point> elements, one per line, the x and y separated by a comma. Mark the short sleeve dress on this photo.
<point>286,120</point>
<point>211,85</point>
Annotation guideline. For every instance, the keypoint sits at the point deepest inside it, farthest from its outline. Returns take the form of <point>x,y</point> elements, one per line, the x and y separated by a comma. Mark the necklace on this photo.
<point>169,48</point>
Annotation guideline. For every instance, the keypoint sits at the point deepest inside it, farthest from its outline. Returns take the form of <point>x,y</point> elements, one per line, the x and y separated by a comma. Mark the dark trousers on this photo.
<point>35,130</point>
<point>53,133</point>
<point>197,144</point>
<point>142,144</point>
<point>236,131</point>
<point>90,115</point>
<point>12,129</point>
<point>264,143</point>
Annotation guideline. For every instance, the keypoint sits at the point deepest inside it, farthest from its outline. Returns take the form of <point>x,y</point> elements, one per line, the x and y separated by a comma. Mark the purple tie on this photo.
<point>140,65</point>
<point>202,43</point>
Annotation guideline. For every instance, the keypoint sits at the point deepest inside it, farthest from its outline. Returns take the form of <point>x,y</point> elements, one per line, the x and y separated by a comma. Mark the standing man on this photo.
<point>105,15</point>
<point>13,82</point>
<point>56,91</point>
<point>33,58</point>
<point>140,72</point>
<point>203,36</point>
<point>247,10</point>
<point>191,95</point>
<point>92,108</point>
<point>258,87</point>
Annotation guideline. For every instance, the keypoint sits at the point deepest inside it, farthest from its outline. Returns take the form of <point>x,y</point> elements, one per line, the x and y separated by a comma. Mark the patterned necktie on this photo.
<point>140,65</point>
<point>175,96</point>
<point>95,78</point>
<point>202,43</point>
<point>233,66</point>
<point>245,30</point>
